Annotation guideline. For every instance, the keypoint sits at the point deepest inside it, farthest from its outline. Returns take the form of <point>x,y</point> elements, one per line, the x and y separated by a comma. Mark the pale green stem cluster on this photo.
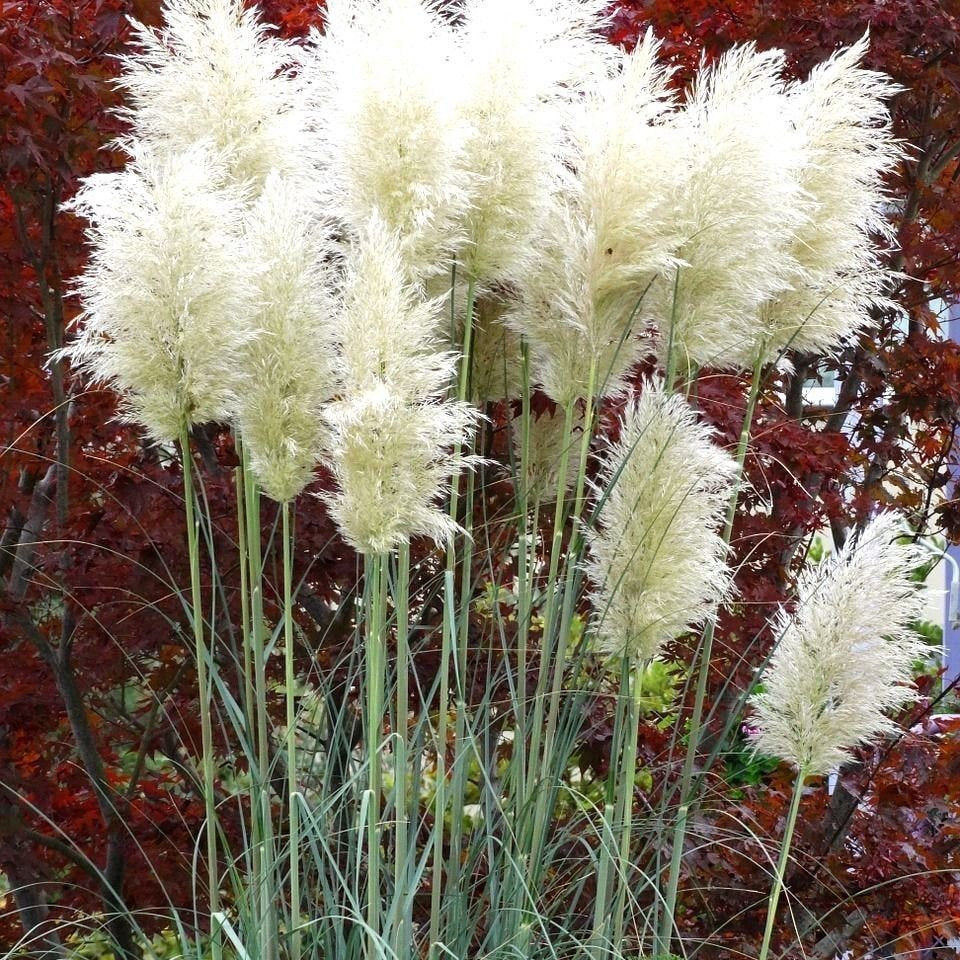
<point>521,800</point>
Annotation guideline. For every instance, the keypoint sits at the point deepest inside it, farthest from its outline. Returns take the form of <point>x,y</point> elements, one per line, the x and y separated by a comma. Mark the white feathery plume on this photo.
<point>657,560</point>
<point>212,73</point>
<point>841,114</point>
<point>388,332</point>
<point>738,203</point>
<point>393,432</point>
<point>392,462</point>
<point>523,62</point>
<point>165,293</point>
<point>611,230</point>
<point>288,372</point>
<point>384,89</point>
<point>844,656</point>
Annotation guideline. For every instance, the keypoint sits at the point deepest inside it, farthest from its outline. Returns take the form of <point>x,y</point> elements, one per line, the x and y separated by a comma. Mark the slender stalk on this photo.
<point>671,372</point>
<point>203,683</point>
<point>706,653</point>
<point>263,815</point>
<point>628,763</point>
<point>679,831</point>
<point>248,697</point>
<point>293,813</point>
<point>549,614</point>
<point>376,572</point>
<point>560,657</point>
<point>601,905</point>
<point>777,888</point>
<point>440,795</point>
<point>402,920</point>
<point>249,703</point>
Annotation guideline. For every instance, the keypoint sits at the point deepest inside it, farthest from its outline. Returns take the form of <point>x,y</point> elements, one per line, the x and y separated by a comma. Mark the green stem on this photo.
<point>248,697</point>
<point>376,572</point>
<point>203,684</point>
<point>777,888</point>
<point>601,906</point>
<point>403,861</point>
<point>671,372</point>
<point>628,763</point>
<point>263,815</point>
<point>293,812</point>
<point>453,640</point>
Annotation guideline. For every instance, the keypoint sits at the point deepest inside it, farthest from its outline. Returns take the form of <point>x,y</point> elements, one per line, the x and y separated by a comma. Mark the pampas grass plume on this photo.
<point>610,231</point>
<point>523,63</point>
<point>737,207</point>
<point>384,89</point>
<point>841,114</point>
<point>212,73</point>
<point>844,656</point>
<point>289,369</point>
<point>393,432</point>
<point>657,561</point>
<point>165,294</point>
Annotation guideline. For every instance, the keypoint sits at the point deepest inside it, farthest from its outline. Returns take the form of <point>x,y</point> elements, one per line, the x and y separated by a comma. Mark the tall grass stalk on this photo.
<point>203,684</point>
<point>293,791</point>
<point>375,642</point>
<point>782,861</point>
<point>262,835</point>
<point>405,807</point>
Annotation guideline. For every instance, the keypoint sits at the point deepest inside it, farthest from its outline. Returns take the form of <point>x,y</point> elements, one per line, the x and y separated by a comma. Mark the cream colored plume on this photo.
<point>551,450</point>
<point>392,462</point>
<point>388,332</point>
<point>384,86</point>
<point>393,433</point>
<point>657,561</point>
<point>841,114</point>
<point>523,63</point>
<point>738,203</point>
<point>611,230</point>
<point>844,655</point>
<point>166,294</point>
<point>211,73</point>
<point>289,370</point>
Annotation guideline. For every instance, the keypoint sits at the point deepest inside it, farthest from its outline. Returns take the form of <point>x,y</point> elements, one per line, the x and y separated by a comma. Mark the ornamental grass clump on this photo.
<point>337,249</point>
